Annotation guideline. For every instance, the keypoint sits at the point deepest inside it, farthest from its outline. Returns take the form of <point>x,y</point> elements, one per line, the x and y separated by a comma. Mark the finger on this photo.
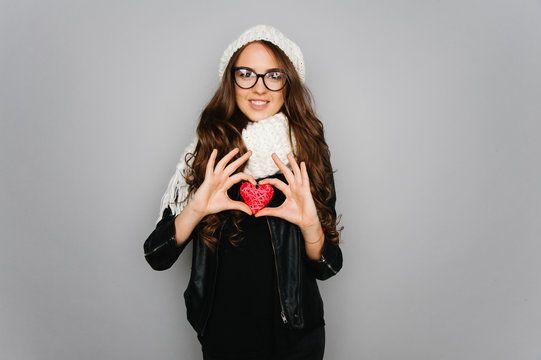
<point>230,169</point>
<point>287,173</point>
<point>221,164</point>
<point>210,163</point>
<point>269,211</point>
<point>279,184</point>
<point>294,166</point>
<point>239,205</point>
<point>304,173</point>
<point>238,177</point>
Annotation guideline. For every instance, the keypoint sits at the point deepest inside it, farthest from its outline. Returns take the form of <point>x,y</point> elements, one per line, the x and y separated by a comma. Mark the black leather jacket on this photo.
<point>300,300</point>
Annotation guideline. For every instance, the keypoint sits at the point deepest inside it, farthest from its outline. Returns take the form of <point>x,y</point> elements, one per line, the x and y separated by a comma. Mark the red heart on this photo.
<point>256,197</point>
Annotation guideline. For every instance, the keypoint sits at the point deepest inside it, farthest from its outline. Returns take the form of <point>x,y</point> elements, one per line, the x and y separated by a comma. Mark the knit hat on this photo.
<point>270,34</point>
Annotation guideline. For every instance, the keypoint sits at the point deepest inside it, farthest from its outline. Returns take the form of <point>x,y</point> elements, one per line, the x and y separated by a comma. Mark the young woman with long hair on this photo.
<point>254,193</point>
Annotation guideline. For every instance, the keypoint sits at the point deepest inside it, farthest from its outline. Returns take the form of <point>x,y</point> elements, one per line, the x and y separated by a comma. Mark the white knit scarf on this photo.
<point>263,137</point>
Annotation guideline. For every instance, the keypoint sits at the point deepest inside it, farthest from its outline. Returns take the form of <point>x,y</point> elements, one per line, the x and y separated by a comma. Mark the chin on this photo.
<point>254,115</point>
<point>258,117</point>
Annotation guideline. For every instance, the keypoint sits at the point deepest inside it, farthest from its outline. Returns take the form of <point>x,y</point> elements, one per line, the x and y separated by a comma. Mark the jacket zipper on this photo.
<point>214,281</point>
<point>323,260</point>
<point>297,315</point>
<point>211,298</point>
<point>151,251</point>
<point>282,314</point>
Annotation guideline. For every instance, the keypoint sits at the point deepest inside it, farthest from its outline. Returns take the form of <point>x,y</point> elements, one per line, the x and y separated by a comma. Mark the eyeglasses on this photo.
<point>246,78</point>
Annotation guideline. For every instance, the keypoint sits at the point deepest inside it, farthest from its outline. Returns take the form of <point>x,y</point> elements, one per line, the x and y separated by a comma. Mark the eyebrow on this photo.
<point>268,70</point>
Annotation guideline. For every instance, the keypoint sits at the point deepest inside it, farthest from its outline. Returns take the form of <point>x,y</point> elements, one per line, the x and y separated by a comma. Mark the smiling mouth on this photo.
<point>259,102</point>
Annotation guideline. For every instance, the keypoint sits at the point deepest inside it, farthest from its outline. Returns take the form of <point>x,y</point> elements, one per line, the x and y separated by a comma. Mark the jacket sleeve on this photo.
<point>160,248</point>
<point>331,255</point>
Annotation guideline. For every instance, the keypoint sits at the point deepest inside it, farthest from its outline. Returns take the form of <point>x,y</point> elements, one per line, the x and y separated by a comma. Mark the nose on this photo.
<point>259,86</point>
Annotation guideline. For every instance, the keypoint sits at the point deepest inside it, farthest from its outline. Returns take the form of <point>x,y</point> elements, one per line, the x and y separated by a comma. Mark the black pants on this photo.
<point>310,347</point>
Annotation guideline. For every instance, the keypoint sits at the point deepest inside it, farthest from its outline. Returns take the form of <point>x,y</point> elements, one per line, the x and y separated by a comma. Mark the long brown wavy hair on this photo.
<point>220,127</point>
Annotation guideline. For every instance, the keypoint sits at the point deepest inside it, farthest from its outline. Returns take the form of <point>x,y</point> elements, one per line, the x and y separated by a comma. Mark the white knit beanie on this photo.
<point>270,34</point>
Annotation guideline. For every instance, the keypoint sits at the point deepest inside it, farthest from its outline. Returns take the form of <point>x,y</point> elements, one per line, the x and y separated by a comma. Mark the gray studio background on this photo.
<point>432,112</point>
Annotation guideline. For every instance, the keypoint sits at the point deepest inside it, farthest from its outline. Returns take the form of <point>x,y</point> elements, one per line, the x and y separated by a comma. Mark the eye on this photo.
<point>275,75</point>
<point>245,73</point>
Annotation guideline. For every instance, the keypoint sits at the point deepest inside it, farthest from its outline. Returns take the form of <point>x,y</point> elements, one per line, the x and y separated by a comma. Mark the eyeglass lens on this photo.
<point>273,80</point>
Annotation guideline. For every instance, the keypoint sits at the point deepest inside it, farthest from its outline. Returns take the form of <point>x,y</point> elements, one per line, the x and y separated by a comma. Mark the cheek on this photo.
<point>239,96</point>
<point>279,98</point>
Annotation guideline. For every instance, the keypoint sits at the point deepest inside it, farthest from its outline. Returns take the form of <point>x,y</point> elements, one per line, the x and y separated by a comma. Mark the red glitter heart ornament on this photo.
<point>256,197</point>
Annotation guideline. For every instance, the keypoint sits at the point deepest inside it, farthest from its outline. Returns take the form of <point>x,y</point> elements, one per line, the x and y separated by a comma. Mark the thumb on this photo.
<point>238,205</point>
<point>268,212</point>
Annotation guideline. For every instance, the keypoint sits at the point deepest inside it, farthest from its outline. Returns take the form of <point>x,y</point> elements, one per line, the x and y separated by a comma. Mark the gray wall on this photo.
<point>432,111</point>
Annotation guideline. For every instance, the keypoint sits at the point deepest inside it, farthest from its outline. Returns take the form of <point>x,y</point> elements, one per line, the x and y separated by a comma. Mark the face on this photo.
<point>258,102</point>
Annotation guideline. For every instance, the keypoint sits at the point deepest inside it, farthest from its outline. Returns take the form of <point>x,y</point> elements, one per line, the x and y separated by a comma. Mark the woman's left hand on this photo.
<point>299,207</point>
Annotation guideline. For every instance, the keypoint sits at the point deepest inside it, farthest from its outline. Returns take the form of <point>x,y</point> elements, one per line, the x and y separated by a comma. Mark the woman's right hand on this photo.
<point>211,197</point>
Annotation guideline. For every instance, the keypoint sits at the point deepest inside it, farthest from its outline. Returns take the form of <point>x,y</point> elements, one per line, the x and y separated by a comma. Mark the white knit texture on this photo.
<point>263,137</point>
<point>270,34</point>
<point>175,197</point>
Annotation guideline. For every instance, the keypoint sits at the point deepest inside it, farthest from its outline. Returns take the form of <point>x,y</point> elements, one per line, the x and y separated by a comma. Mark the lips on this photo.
<point>258,104</point>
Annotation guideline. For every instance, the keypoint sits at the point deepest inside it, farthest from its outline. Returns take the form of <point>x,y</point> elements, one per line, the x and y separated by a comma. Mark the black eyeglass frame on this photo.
<point>258,76</point>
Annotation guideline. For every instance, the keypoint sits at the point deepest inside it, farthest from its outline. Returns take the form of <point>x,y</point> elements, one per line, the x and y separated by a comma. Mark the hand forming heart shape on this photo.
<point>256,197</point>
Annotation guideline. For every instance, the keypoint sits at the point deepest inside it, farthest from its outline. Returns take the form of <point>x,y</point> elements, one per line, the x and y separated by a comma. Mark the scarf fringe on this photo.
<point>262,137</point>
<point>175,197</point>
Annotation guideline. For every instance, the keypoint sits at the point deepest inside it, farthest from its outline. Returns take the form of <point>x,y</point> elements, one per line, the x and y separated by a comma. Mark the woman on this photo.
<point>252,293</point>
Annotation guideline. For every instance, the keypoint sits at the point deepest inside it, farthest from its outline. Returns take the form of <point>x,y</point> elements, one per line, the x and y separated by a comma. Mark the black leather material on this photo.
<point>296,273</point>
